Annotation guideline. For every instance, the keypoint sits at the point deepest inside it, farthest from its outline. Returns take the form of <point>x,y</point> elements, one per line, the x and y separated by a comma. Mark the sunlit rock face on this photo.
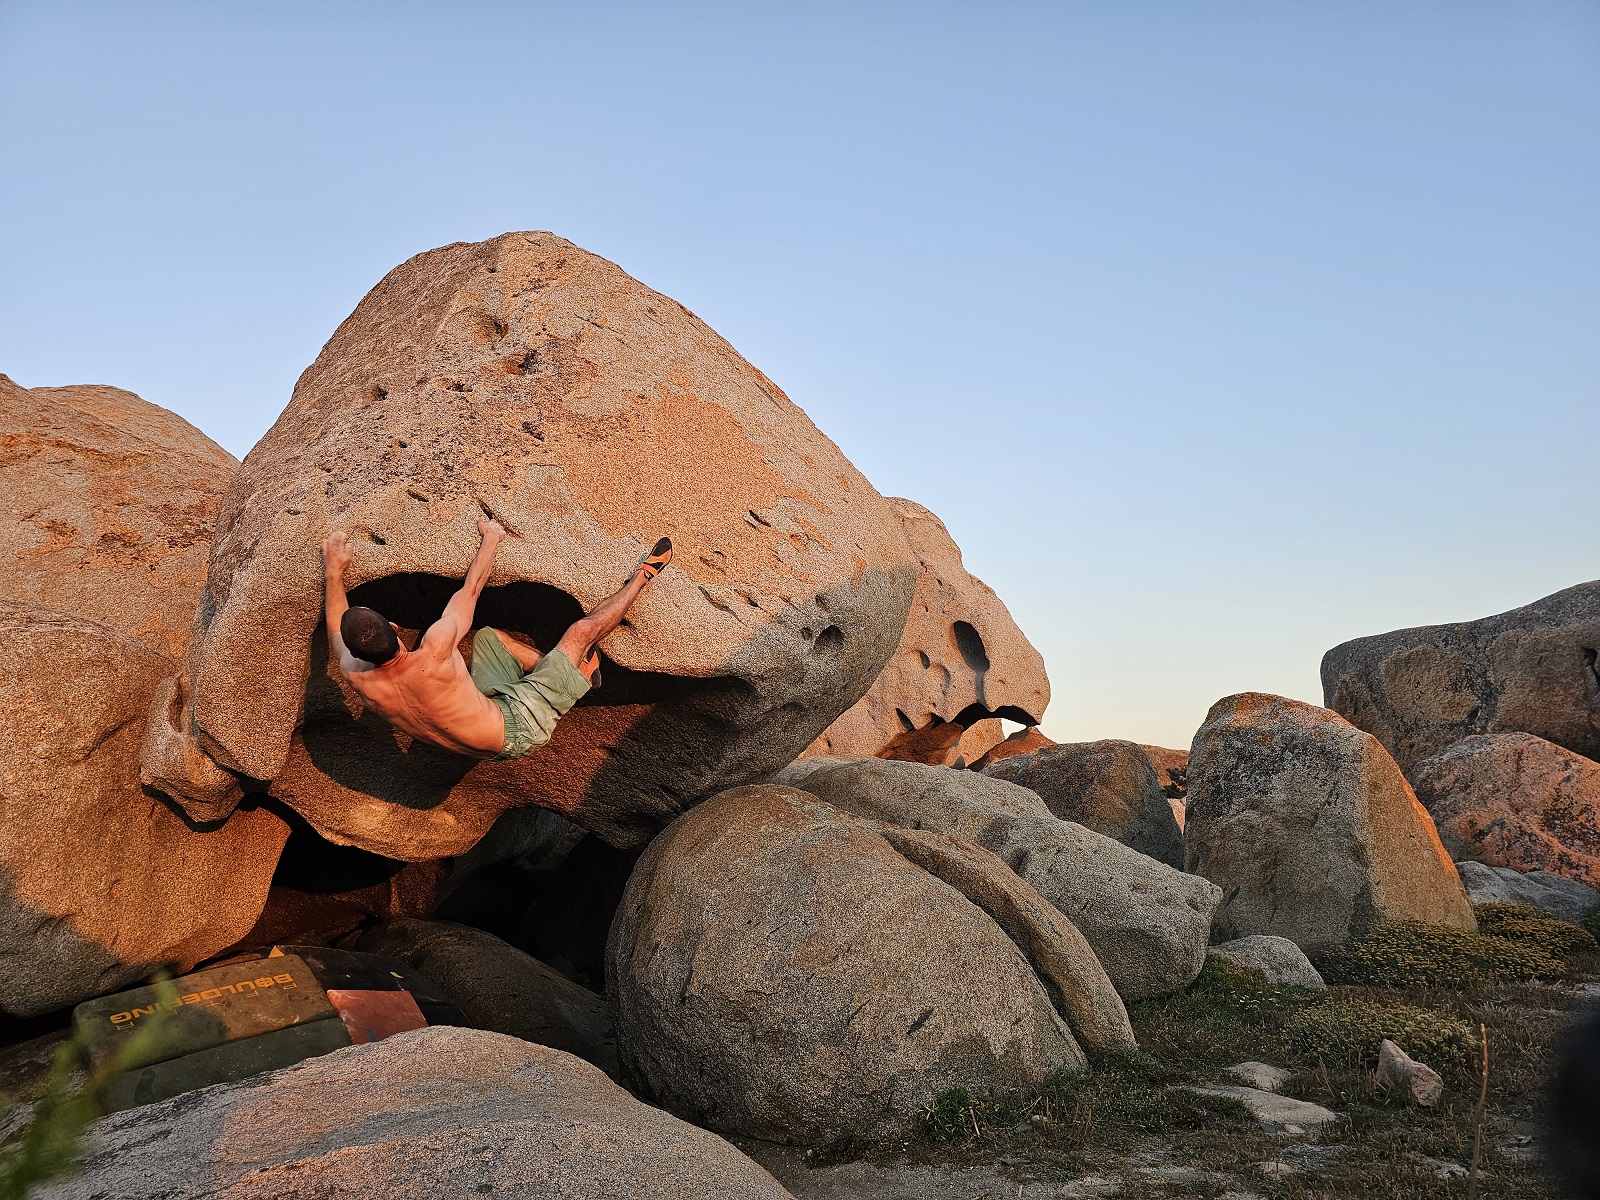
<point>528,379</point>
<point>106,504</point>
<point>1530,670</point>
<point>100,881</point>
<point>961,660</point>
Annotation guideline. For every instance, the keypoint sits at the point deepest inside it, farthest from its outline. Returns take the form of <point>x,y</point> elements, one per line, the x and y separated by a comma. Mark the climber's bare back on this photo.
<point>431,696</point>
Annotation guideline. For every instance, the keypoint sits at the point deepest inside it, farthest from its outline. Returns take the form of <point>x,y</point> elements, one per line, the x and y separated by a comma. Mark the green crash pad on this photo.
<point>208,1009</point>
<point>222,1064</point>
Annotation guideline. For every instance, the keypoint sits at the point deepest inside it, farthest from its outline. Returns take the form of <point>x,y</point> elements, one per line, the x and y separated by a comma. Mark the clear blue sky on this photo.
<point>1217,332</point>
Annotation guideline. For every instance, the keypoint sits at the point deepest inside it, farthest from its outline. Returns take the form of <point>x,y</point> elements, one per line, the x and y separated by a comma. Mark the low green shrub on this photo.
<point>1413,953</point>
<point>957,1114</point>
<point>1533,927</point>
<point>1349,1032</point>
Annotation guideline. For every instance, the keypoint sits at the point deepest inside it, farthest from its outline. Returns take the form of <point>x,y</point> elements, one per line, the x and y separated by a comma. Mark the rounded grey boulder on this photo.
<point>1279,959</point>
<point>779,970</point>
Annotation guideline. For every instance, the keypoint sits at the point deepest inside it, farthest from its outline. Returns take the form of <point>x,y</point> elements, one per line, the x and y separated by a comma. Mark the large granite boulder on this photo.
<point>100,882</point>
<point>432,1113</point>
<point>1108,786</point>
<point>498,987</point>
<point>1148,923</point>
<point>1515,800</point>
<point>106,505</point>
<point>961,660</point>
<point>786,971</point>
<point>1530,670</point>
<point>529,379</point>
<point>1309,828</point>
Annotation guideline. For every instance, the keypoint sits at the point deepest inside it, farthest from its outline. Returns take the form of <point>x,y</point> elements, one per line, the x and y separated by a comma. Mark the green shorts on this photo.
<point>531,703</point>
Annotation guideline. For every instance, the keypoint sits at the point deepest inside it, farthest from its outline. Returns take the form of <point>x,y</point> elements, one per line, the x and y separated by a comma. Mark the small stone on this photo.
<point>1274,1113</point>
<point>1261,1075</point>
<point>1440,1168</point>
<point>1400,1073</point>
<point>1275,1170</point>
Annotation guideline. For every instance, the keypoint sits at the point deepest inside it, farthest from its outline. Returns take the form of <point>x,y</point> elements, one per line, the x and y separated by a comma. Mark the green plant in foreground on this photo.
<point>1350,1031</point>
<point>1533,927</point>
<point>1591,924</point>
<point>1413,953</point>
<point>52,1146</point>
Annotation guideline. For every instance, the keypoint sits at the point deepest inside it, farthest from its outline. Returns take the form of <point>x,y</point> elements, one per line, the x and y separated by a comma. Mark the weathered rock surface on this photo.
<point>1024,741</point>
<point>1108,786</point>
<point>1309,828</point>
<point>781,971</point>
<point>1414,1082</point>
<point>1530,670</point>
<point>1279,959</point>
<point>498,987</point>
<point>961,659</point>
<point>527,378</point>
<point>1515,800</point>
<point>1563,898</point>
<point>106,506</point>
<point>432,1113</point>
<point>1147,923</point>
<point>100,883</point>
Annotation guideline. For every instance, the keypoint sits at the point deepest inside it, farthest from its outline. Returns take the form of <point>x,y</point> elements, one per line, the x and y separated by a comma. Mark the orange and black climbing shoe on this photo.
<point>651,564</point>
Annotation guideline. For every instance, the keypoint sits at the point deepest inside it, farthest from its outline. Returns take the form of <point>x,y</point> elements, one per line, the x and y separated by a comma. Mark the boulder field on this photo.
<point>748,876</point>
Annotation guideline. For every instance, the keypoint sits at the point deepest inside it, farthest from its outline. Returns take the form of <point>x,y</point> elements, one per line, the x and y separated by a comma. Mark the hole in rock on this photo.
<point>830,640</point>
<point>973,652</point>
<point>1589,657</point>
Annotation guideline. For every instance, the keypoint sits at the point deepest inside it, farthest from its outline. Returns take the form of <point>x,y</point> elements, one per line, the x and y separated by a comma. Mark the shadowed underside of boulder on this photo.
<point>528,379</point>
<point>432,1113</point>
<point>1309,828</point>
<point>1530,670</point>
<point>100,882</point>
<point>780,970</point>
<point>961,660</point>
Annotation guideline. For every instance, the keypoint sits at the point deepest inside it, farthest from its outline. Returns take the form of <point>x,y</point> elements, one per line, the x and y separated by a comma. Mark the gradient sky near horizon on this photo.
<point>1217,333</point>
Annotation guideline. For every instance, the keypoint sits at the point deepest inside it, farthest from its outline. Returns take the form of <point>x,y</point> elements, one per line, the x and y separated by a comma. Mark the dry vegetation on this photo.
<point>1131,1120</point>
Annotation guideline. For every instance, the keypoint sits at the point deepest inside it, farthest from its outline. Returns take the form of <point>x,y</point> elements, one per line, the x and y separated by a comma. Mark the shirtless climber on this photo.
<point>511,700</point>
